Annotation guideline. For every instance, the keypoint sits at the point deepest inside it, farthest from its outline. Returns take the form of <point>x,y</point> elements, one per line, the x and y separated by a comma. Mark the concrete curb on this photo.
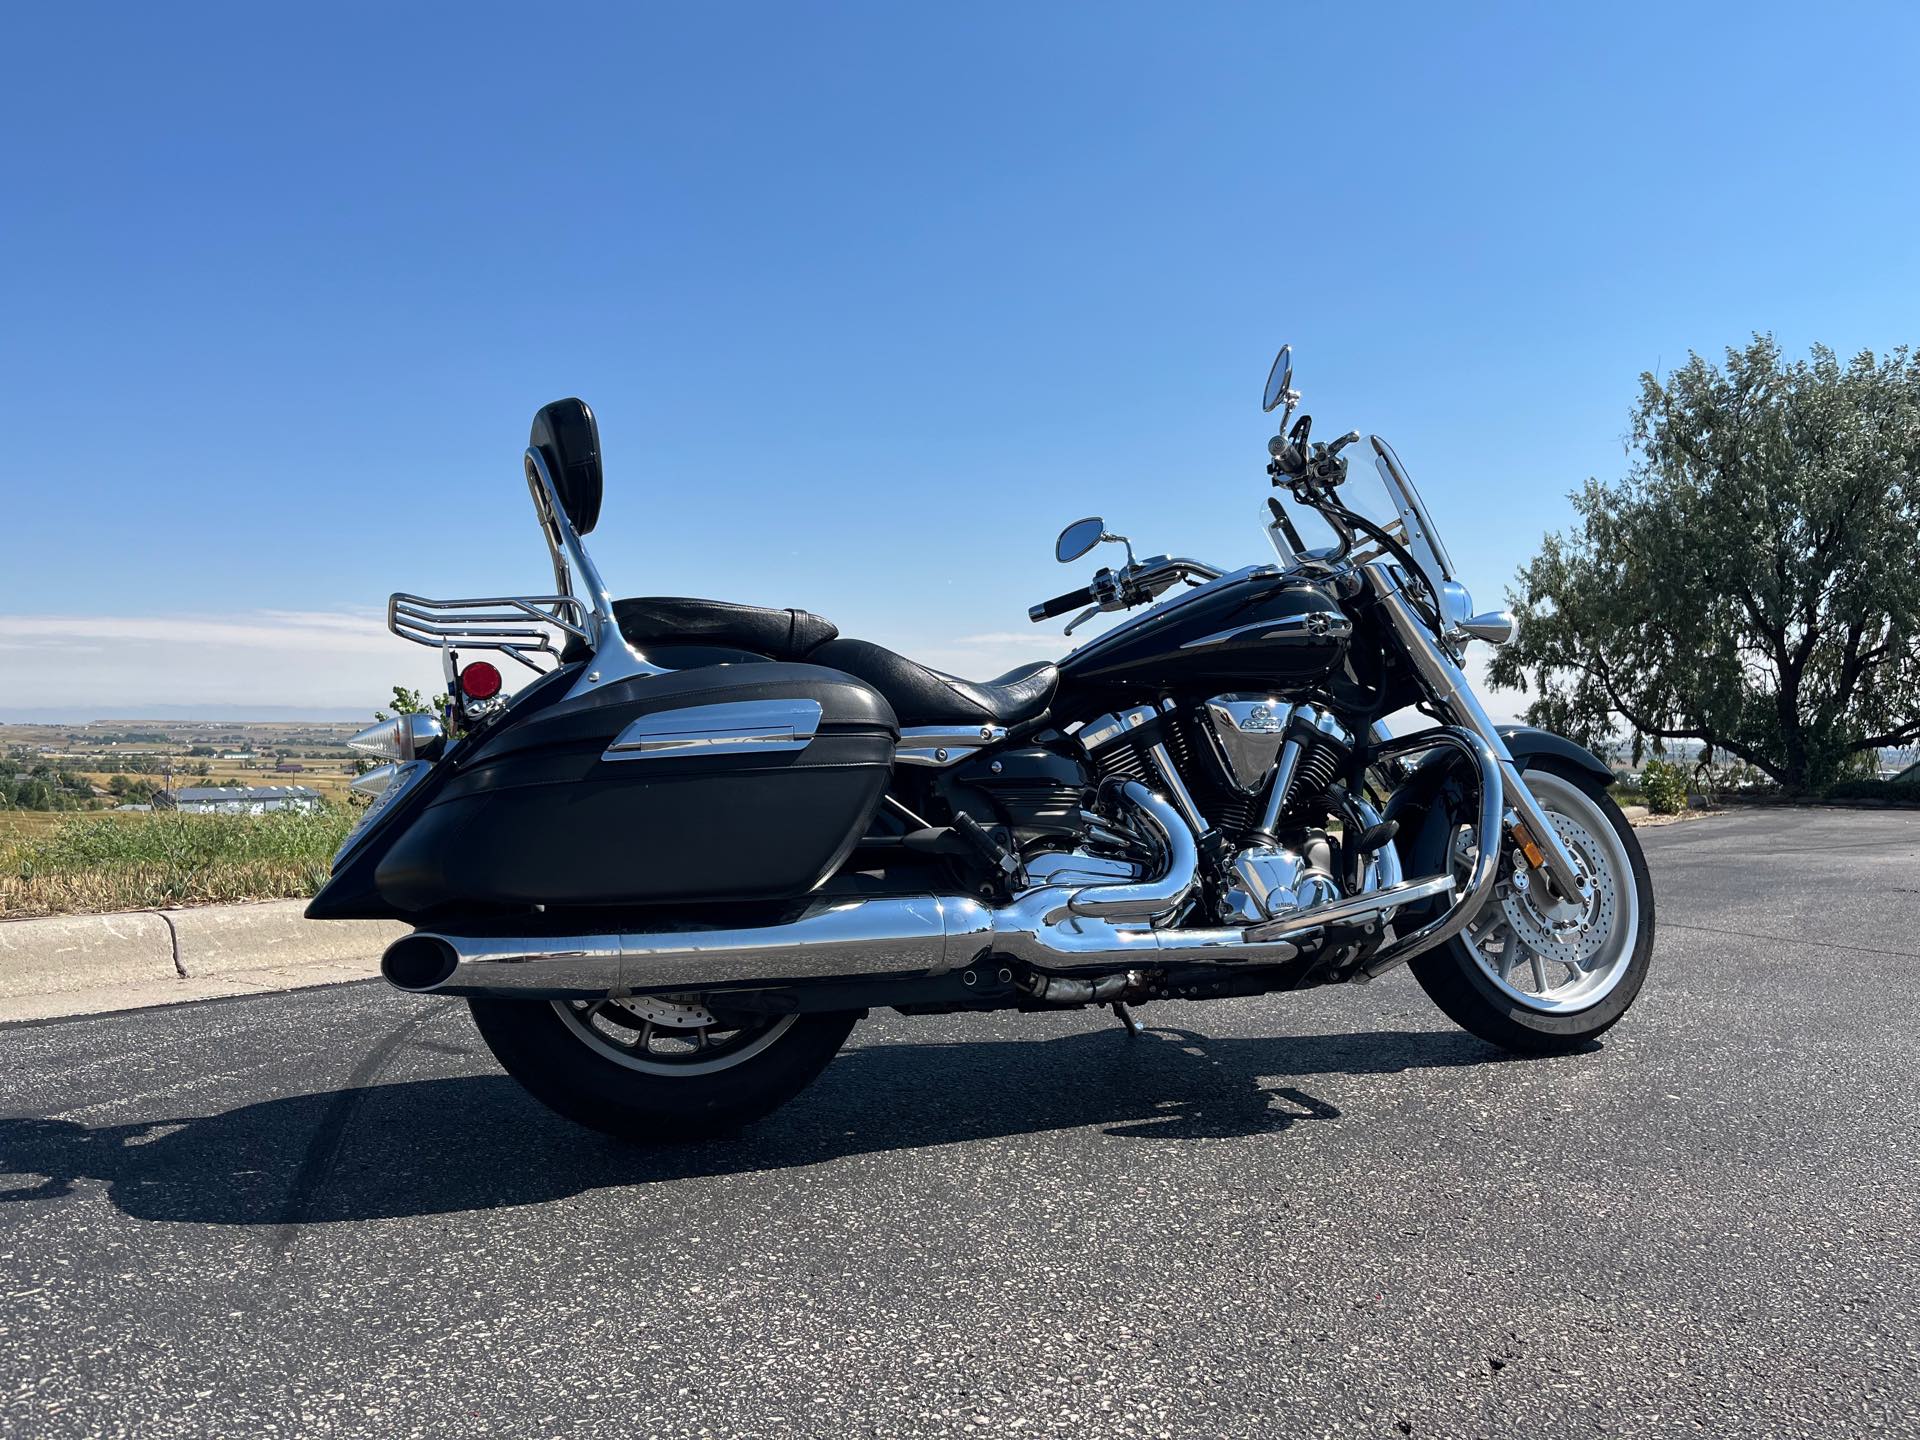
<point>85,964</point>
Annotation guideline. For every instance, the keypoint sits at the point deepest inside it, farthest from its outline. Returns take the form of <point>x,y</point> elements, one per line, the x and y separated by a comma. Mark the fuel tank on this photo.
<point>1254,629</point>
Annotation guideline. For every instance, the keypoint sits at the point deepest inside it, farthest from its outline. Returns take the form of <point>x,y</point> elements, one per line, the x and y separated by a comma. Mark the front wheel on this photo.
<point>655,1068</point>
<point>1545,979</point>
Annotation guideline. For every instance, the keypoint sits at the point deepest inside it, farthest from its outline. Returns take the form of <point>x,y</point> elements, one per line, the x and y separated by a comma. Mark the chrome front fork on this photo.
<point>1453,693</point>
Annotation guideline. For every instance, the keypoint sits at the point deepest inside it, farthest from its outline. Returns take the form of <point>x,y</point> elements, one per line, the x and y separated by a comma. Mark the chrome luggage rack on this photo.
<point>519,626</point>
<point>522,626</point>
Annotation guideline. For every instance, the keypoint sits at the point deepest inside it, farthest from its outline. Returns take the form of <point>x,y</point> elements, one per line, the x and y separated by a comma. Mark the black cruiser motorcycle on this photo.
<point>672,871</point>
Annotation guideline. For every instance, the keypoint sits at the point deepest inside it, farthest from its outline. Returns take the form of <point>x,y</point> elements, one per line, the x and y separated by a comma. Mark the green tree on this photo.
<point>410,702</point>
<point>1753,583</point>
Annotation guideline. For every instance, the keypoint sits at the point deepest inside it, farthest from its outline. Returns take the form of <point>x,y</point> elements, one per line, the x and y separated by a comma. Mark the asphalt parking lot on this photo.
<point>328,1213</point>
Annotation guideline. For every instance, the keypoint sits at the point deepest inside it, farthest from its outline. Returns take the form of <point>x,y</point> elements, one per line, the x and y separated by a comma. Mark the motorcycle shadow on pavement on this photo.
<point>390,1148</point>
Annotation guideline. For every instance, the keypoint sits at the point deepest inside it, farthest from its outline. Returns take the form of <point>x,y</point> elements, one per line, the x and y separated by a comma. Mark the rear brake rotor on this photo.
<point>673,1011</point>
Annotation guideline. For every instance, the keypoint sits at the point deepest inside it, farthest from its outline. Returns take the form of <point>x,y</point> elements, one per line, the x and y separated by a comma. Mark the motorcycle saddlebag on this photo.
<point>728,782</point>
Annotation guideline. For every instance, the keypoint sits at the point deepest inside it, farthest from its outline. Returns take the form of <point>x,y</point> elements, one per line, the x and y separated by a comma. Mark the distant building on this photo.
<point>288,767</point>
<point>244,800</point>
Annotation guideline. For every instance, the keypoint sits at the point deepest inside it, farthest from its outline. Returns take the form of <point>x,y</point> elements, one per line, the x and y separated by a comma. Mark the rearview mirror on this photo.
<point>1078,538</point>
<point>568,439</point>
<point>1280,382</point>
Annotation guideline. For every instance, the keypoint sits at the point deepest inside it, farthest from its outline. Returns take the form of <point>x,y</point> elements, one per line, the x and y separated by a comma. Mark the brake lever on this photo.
<point>1081,619</point>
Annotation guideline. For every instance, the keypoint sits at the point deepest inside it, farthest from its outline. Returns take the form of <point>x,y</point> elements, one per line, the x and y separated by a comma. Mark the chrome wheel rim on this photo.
<point>1572,958</point>
<point>667,1034</point>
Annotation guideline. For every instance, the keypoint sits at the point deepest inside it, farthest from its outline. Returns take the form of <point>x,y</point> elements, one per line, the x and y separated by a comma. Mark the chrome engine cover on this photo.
<point>1270,880</point>
<point>1249,729</point>
<point>1077,867</point>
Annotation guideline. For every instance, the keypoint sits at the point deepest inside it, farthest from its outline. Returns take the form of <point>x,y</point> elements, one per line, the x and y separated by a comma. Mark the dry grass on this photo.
<point>25,824</point>
<point>87,863</point>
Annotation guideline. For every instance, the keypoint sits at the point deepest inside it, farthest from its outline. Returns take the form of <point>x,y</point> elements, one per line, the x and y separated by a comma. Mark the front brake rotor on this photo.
<point>1558,928</point>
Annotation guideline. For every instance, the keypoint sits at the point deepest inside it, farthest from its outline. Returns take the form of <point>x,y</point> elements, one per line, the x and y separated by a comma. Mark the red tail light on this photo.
<point>479,681</point>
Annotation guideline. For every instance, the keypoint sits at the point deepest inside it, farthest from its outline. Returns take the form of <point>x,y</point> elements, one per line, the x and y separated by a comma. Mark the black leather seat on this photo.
<point>920,696</point>
<point>668,619</point>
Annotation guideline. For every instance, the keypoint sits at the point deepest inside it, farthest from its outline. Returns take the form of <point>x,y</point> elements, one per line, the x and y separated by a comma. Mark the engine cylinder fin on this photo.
<point>1226,804</point>
<point>1319,768</point>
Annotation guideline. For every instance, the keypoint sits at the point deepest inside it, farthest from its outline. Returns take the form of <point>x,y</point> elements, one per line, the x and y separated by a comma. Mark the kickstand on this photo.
<point>1126,1018</point>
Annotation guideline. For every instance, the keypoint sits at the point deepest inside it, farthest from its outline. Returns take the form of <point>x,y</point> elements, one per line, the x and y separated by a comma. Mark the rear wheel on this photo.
<point>1543,978</point>
<point>656,1068</point>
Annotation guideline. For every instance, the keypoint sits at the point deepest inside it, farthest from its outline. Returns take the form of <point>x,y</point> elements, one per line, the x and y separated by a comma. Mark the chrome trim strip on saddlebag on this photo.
<point>730,728</point>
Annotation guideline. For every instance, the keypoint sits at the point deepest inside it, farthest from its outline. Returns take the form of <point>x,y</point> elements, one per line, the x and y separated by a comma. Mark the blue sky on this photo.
<point>870,299</point>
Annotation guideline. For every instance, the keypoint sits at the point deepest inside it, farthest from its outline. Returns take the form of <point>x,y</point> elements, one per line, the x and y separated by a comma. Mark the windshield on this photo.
<point>1383,493</point>
<point>1420,537</point>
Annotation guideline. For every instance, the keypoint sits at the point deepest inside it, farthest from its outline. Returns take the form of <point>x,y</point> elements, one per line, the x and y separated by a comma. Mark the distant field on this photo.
<point>20,824</point>
<point>86,862</point>
<point>329,778</point>
<point>161,752</point>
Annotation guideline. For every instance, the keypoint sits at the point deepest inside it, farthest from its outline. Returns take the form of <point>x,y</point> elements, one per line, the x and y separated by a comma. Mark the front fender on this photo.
<point>1526,744</point>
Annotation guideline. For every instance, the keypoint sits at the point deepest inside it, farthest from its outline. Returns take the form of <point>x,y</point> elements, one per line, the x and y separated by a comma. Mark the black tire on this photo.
<point>536,1046</point>
<point>1455,982</point>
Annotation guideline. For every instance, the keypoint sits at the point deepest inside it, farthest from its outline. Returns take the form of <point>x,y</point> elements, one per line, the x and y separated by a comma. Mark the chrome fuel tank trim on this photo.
<point>1314,625</point>
<point>758,726</point>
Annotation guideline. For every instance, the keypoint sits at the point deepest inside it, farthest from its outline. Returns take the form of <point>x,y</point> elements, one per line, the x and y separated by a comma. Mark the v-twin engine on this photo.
<point>1255,771</point>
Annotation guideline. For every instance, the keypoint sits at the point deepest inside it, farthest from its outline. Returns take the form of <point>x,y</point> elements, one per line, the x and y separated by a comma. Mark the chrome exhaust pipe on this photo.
<point>1057,929</point>
<point>419,962</point>
<point>847,939</point>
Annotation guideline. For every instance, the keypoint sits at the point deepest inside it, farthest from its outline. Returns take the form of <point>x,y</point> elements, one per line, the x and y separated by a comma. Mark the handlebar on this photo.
<point>1308,470</point>
<point>1135,583</point>
<point>1060,604</point>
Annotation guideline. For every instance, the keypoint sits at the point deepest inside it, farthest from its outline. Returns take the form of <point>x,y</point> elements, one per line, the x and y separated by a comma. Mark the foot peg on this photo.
<point>1375,836</point>
<point>995,856</point>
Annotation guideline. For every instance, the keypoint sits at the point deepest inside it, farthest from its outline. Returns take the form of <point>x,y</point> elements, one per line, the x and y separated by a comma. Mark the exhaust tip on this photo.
<point>418,962</point>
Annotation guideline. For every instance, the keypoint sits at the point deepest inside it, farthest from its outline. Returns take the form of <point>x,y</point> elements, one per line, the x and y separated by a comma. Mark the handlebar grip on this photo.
<point>1060,604</point>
